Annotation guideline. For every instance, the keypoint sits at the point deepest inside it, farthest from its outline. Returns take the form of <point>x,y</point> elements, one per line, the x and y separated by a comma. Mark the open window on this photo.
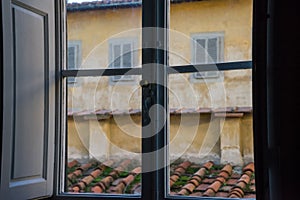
<point>142,146</point>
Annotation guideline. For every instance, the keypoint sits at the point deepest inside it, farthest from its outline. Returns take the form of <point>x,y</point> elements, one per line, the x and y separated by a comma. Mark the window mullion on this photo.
<point>154,75</point>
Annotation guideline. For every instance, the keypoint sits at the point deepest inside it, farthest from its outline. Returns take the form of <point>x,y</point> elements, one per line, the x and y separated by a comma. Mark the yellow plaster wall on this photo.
<point>78,142</point>
<point>232,17</point>
<point>93,28</point>
<point>247,137</point>
<point>125,135</point>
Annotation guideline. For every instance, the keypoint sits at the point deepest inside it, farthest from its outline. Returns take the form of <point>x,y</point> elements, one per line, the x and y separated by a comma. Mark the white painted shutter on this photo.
<point>29,99</point>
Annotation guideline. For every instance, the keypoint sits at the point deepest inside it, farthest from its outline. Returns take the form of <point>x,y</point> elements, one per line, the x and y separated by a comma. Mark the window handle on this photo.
<point>147,101</point>
<point>144,83</point>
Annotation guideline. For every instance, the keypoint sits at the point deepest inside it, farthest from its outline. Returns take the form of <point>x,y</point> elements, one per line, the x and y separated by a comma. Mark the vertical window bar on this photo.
<point>154,93</point>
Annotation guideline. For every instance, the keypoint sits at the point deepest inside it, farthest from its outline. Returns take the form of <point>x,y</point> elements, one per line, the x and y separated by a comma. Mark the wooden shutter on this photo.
<point>121,56</point>
<point>72,60</point>
<point>29,98</point>
<point>207,50</point>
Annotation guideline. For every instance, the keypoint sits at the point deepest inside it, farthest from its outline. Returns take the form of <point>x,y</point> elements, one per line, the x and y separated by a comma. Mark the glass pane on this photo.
<point>104,137</point>
<point>104,121</point>
<point>211,136</point>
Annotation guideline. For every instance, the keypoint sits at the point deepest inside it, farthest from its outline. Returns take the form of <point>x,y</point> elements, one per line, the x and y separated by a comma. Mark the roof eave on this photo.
<point>86,6</point>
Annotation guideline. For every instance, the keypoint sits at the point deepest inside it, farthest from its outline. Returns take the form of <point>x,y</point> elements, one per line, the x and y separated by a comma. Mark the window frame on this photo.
<point>157,179</point>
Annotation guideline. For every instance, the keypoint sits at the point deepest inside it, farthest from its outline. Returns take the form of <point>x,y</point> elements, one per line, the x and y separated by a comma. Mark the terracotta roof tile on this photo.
<point>78,172</point>
<point>249,167</point>
<point>208,180</point>
<point>190,187</point>
<point>224,174</point>
<point>235,175</point>
<point>221,194</point>
<point>187,178</point>
<point>232,181</point>
<point>179,170</point>
<point>250,196</point>
<point>73,163</point>
<point>209,193</point>
<point>220,179</point>
<point>245,180</point>
<point>215,186</point>
<point>195,180</point>
<point>198,194</point>
<point>236,191</point>
<point>208,165</point>
<point>225,188</point>
<point>201,172</point>
<point>252,188</point>
<point>227,168</point>
<point>202,187</point>
<point>183,192</point>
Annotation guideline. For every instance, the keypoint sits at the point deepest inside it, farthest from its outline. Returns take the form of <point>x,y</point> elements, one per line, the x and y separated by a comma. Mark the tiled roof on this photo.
<point>109,4</point>
<point>186,178</point>
<point>218,112</point>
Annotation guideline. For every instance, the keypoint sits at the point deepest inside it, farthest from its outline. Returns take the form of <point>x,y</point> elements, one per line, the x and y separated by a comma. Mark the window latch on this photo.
<point>146,101</point>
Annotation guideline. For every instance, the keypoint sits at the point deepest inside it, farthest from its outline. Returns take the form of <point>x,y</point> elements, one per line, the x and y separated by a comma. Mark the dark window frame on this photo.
<point>157,179</point>
<point>1,84</point>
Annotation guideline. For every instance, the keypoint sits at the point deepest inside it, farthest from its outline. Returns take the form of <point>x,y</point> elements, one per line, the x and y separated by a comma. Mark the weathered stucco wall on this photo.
<point>78,138</point>
<point>198,138</point>
<point>232,17</point>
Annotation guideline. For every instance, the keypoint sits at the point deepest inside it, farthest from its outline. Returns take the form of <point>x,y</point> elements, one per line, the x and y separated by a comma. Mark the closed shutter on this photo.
<point>72,61</point>
<point>206,51</point>
<point>122,57</point>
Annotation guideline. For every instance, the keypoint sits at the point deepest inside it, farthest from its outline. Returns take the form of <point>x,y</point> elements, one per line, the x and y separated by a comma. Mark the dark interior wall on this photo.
<point>283,68</point>
<point>1,81</point>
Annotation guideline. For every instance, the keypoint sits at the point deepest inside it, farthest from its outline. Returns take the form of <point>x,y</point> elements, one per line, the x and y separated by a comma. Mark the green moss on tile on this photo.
<point>191,170</point>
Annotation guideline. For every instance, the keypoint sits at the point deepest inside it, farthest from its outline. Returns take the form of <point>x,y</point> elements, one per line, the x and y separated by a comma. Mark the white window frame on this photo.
<point>76,44</point>
<point>122,41</point>
<point>220,53</point>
